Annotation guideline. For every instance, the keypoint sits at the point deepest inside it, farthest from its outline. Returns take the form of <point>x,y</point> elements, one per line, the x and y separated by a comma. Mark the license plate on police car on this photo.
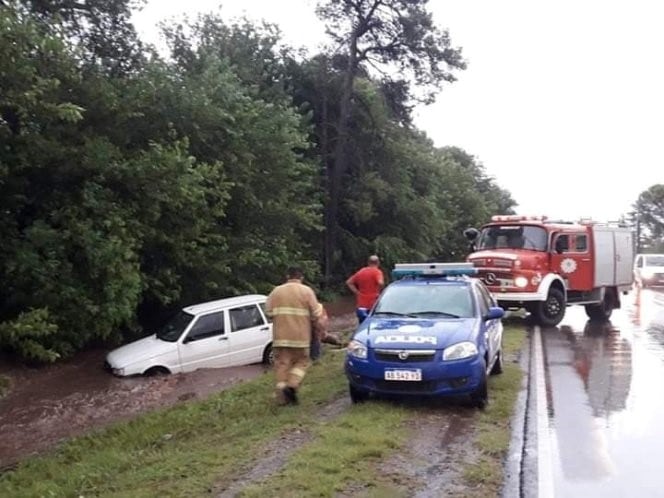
<point>414,375</point>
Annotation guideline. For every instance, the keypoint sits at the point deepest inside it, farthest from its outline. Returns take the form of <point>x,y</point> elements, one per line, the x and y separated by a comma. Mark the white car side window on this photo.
<point>207,326</point>
<point>245,317</point>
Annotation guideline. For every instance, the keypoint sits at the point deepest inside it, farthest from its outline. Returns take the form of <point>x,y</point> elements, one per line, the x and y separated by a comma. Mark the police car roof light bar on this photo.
<point>433,270</point>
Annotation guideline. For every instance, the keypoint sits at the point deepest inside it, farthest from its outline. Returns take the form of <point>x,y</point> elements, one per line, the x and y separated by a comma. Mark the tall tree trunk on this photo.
<point>325,153</point>
<point>340,161</point>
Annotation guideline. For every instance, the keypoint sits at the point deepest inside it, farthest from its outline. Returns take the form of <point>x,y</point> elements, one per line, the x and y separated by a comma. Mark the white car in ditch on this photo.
<point>224,333</point>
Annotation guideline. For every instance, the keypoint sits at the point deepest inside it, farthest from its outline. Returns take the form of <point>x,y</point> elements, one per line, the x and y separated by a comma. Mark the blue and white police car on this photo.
<point>433,331</point>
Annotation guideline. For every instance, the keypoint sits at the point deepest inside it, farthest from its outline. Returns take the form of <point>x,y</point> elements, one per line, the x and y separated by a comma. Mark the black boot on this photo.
<point>291,395</point>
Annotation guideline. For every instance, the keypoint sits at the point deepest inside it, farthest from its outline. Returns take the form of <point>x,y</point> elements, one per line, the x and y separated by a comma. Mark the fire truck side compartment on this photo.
<point>613,256</point>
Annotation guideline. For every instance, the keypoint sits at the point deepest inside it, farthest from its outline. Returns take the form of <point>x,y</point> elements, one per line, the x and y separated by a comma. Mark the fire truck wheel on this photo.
<point>601,311</point>
<point>549,313</point>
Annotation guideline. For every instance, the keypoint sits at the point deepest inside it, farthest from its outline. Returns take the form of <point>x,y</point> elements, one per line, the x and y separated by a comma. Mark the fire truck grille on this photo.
<point>496,279</point>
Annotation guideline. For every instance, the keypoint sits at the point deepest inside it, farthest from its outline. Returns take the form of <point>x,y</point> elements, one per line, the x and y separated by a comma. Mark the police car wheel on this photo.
<point>498,364</point>
<point>480,397</point>
<point>357,396</point>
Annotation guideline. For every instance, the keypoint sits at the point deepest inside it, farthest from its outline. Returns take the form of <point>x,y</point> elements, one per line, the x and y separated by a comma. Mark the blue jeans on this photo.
<point>361,314</point>
<point>314,348</point>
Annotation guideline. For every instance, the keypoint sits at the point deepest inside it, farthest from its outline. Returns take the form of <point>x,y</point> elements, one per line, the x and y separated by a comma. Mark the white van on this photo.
<point>224,333</point>
<point>649,270</point>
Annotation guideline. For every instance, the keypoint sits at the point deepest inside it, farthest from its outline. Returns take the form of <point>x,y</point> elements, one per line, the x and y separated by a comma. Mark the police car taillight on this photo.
<point>402,270</point>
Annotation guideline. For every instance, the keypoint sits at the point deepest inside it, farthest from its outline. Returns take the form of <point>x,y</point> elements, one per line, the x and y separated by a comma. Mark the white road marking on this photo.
<point>544,463</point>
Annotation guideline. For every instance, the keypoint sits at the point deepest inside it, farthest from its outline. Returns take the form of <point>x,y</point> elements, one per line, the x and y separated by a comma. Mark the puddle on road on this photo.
<point>606,405</point>
<point>54,402</point>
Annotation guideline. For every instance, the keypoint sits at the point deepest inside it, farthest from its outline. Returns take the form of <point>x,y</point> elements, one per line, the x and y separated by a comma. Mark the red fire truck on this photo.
<point>544,266</point>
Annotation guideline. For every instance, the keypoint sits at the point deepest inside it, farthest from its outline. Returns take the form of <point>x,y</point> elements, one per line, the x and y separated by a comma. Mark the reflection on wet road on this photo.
<point>604,383</point>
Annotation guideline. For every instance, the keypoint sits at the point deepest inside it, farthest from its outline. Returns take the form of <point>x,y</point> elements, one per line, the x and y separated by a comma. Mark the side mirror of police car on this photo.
<point>362,314</point>
<point>495,312</point>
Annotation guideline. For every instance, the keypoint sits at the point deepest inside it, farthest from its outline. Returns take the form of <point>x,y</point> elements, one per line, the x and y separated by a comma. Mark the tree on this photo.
<point>102,30</point>
<point>131,185</point>
<point>383,35</point>
<point>648,215</point>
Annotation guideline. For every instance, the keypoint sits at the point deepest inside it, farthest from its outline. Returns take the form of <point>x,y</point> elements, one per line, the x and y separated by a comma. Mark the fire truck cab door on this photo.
<point>571,259</point>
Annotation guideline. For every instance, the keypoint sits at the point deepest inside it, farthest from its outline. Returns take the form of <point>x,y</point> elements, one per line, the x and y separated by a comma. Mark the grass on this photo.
<point>347,449</point>
<point>344,451</point>
<point>180,451</point>
<point>5,384</point>
<point>493,432</point>
<point>193,449</point>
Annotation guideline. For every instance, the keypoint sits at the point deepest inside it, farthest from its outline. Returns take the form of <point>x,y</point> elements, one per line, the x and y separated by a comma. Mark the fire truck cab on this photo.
<point>544,266</point>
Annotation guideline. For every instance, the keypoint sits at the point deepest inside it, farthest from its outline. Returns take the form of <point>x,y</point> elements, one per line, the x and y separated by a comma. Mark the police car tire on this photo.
<point>480,397</point>
<point>497,368</point>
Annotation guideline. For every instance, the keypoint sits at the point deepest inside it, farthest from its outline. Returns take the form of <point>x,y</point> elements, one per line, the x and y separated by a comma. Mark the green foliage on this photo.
<point>398,34</point>
<point>132,184</point>
<point>649,212</point>
<point>403,198</point>
<point>24,333</point>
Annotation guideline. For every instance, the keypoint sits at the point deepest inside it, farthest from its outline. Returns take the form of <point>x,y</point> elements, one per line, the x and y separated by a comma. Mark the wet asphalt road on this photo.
<point>604,383</point>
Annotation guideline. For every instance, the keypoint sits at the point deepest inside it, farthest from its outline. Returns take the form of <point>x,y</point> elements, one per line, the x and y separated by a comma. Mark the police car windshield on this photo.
<point>173,329</point>
<point>513,237</point>
<point>440,301</point>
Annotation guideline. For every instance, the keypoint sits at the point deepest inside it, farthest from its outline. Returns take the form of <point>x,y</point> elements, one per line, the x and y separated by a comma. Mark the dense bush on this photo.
<point>131,183</point>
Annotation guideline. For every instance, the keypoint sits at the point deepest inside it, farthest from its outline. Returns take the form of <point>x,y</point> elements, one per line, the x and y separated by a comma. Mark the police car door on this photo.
<point>493,327</point>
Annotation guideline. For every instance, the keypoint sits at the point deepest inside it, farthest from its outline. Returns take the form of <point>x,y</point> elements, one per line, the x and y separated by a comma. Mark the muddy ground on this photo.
<point>48,404</point>
<point>431,463</point>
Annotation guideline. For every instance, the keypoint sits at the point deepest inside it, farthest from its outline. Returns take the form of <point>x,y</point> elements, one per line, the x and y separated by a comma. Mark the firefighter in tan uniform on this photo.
<point>296,314</point>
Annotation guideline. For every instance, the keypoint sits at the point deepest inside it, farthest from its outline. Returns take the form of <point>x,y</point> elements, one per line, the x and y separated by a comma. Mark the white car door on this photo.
<point>205,345</point>
<point>249,334</point>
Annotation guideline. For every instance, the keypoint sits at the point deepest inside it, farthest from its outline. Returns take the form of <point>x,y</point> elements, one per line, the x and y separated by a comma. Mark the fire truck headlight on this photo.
<point>521,282</point>
<point>536,279</point>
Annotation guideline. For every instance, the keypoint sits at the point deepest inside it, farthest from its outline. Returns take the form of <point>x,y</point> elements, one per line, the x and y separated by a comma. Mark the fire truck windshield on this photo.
<point>513,237</point>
